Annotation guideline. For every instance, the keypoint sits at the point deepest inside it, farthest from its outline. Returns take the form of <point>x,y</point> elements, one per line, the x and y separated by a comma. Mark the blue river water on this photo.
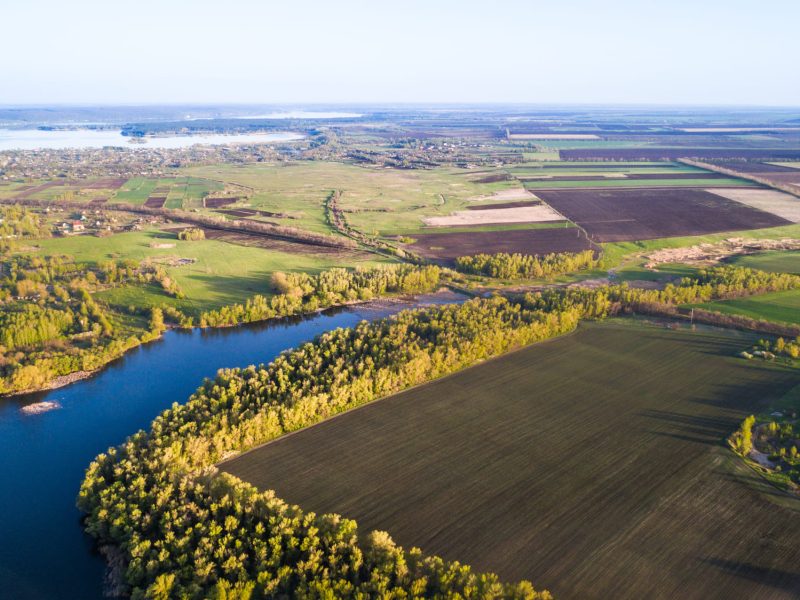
<point>44,553</point>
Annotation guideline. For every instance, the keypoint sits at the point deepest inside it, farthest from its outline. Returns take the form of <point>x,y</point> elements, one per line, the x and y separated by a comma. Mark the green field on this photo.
<point>221,274</point>
<point>183,192</point>
<point>777,262</point>
<point>593,465</point>
<point>782,307</point>
<point>377,200</point>
<point>620,182</point>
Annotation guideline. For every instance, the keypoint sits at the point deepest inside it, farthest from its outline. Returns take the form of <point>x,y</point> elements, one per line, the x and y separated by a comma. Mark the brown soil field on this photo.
<point>641,214</point>
<point>108,183</point>
<point>219,202</point>
<point>252,212</point>
<point>675,153</point>
<point>592,465</point>
<point>155,201</point>
<point>446,247</point>
<point>494,178</point>
<point>30,191</point>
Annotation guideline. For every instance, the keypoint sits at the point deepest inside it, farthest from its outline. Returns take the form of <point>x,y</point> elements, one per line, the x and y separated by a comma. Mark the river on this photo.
<point>44,553</point>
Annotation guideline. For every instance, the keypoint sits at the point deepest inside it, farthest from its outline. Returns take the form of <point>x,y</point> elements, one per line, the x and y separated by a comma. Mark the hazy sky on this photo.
<point>240,51</point>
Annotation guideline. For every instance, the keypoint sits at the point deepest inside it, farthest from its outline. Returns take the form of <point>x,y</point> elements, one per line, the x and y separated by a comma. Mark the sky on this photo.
<point>731,52</point>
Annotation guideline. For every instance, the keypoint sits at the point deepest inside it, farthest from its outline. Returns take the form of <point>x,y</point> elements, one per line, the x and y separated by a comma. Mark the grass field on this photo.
<point>221,274</point>
<point>620,252</point>
<point>783,307</point>
<point>592,465</point>
<point>382,200</point>
<point>778,262</point>
<point>621,182</point>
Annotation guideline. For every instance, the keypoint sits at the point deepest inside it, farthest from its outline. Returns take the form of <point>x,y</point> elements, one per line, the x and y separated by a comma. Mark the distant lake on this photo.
<point>33,139</point>
<point>293,114</point>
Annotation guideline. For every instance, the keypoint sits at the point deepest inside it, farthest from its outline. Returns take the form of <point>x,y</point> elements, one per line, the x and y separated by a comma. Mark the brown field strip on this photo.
<point>268,242</point>
<point>592,465</point>
<point>155,201</point>
<point>446,247</point>
<point>219,202</point>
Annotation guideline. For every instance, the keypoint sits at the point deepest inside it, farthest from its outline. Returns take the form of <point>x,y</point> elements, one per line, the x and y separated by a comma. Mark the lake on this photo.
<point>44,552</point>
<point>33,139</point>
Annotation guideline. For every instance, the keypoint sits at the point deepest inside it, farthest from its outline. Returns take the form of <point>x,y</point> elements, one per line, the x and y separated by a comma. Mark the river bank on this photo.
<point>46,553</point>
<point>442,295</point>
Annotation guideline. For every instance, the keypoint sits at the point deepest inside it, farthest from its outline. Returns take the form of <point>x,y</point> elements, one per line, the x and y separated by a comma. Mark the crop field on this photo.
<point>221,273</point>
<point>445,247</point>
<point>783,307</point>
<point>617,215</point>
<point>178,192</point>
<point>592,465</point>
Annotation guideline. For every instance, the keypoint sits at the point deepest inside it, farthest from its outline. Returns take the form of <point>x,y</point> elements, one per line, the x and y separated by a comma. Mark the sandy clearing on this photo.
<point>524,214</point>
<point>553,136</point>
<point>505,195</point>
<point>790,165</point>
<point>771,201</point>
<point>708,254</point>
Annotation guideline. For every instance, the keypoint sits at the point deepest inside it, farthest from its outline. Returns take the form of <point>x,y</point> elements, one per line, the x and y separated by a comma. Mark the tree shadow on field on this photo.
<point>697,428</point>
<point>786,581</point>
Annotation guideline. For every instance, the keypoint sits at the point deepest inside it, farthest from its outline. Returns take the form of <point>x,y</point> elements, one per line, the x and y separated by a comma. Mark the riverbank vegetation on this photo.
<point>222,536</point>
<point>52,326</point>
<point>301,293</point>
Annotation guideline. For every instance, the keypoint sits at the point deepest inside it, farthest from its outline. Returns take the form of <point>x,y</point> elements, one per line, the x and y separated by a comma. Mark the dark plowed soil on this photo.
<point>155,201</point>
<point>446,247</point>
<point>218,202</point>
<point>642,214</point>
<point>493,178</point>
<point>271,243</point>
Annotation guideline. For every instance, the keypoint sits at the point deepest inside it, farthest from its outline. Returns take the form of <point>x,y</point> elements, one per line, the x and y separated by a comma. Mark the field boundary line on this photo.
<point>419,385</point>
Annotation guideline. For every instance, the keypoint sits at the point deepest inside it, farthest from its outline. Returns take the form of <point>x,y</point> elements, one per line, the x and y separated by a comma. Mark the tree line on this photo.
<point>301,293</point>
<point>526,266</point>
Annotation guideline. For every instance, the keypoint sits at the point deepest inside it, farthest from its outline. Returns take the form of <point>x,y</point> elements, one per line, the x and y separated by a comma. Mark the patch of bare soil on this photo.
<point>706,254</point>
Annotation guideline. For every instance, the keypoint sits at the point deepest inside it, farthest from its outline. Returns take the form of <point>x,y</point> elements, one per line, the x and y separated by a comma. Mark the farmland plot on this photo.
<point>446,247</point>
<point>622,215</point>
<point>592,465</point>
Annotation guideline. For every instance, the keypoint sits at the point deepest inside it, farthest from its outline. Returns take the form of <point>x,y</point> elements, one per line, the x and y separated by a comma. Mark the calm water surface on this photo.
<point>44,553</point>
<point>33,139</point>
